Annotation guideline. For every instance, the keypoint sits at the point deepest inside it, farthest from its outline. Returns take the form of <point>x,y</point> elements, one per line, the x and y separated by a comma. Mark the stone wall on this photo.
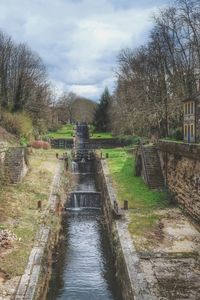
<point>130,276</point>
<point>15,165</point>
<point>94,143</point>
<point>3,149</point>
<point>181,169</point>
<point>33,282</point>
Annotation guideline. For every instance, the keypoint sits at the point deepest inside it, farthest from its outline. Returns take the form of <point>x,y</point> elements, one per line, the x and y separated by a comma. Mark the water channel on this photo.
<point>83,266</point>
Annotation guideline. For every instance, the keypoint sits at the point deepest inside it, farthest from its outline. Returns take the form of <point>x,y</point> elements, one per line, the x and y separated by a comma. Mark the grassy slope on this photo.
<point>65,132</point>
<point>101,135</point>
<point>18,209</point>
<point>144,203</point>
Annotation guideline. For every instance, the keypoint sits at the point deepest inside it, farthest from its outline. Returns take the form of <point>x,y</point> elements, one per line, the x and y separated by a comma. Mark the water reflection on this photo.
<point>83,266</point>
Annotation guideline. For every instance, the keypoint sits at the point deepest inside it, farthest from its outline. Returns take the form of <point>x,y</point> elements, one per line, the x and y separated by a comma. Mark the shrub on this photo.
<point>19,124</point>
<point>175,134</point>
<point>41,145</point>
<point>129,139</point>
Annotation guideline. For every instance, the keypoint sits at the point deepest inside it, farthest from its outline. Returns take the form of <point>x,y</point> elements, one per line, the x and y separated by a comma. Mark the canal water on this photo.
<point>83,266</point>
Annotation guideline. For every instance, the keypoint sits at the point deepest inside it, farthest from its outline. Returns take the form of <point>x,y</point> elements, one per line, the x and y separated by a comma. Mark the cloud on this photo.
<point>78,40</point>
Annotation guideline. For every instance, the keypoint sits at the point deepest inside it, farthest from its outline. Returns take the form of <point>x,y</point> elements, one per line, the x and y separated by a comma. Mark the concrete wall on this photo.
<point>181,169</point>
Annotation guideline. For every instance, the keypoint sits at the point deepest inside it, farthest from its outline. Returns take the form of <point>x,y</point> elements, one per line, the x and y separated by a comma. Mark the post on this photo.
<point>125,204</point>
<point>107,155</point>
<point>39,204</point>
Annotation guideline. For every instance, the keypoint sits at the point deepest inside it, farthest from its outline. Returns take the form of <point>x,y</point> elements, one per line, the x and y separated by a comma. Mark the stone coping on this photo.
<point>180,149</point>
<point>140,287</point>
<point>29,280</point>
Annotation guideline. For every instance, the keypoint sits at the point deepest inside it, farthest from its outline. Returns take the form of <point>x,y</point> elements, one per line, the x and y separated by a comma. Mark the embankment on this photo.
<point>37,272</point>
<point>129,273</point>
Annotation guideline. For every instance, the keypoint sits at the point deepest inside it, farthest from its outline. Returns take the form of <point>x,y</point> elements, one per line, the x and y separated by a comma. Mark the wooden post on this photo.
<point>39,204</point>
<point>125,204</point>
<point>107,155</point>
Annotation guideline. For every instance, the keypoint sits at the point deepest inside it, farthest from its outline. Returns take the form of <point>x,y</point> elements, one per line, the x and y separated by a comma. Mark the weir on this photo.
<point>83,264</point>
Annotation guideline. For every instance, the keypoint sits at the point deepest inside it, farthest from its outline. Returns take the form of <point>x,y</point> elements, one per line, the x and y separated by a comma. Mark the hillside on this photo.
<point>7,138</point>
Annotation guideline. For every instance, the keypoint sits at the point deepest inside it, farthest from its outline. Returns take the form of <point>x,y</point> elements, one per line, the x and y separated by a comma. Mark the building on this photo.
<point>191,119</point>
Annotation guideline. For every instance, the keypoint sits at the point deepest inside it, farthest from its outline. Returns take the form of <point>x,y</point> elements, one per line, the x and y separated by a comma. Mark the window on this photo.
<point>192,108</point>
<point>185,108</point>
<point>185,131</point>
<point>188,108</point>
<point>192,130</point>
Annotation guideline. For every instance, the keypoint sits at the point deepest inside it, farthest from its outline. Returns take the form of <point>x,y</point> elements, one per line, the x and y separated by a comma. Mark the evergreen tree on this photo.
<point>101,118</point>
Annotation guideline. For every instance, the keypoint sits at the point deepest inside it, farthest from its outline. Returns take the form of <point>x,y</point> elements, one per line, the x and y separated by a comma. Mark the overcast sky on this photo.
<point>79,40</point>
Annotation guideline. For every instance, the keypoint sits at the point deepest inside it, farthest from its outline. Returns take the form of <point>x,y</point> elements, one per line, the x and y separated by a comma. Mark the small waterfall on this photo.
<point>75,201</point>
<point>81,199</point>
<point>74,167</point>
<point>82,202</point>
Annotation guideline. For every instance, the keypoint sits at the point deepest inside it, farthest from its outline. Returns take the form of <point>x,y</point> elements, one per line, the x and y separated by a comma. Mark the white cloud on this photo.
<point>78,40</point>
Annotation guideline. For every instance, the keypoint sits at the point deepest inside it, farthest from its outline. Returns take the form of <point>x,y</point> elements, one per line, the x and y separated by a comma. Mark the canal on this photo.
<point>83,266</point>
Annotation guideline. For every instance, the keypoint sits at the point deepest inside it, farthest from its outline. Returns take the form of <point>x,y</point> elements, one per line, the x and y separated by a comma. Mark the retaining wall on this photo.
<point>15,165</point>
<point>33,281</point>
<point>181,170</point>
<point>129,273</point>
<point>94,143</point>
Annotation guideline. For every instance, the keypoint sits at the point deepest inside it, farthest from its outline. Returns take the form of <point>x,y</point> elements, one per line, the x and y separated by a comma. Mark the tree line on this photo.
<point>152,80</point>
<point>24,82</point>
<point>28,104</point>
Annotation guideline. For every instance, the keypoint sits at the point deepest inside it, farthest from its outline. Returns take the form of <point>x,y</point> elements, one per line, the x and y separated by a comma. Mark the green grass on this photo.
<point>65,132</point>
<point>144,204</point>
<point>18,209</point>
<point>102,135</point>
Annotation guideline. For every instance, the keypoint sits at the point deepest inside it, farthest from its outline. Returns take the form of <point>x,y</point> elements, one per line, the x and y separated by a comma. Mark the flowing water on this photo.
<point>83,266</point>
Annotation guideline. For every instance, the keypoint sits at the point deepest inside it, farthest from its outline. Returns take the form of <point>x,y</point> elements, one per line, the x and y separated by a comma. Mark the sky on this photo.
<point>79,40</point>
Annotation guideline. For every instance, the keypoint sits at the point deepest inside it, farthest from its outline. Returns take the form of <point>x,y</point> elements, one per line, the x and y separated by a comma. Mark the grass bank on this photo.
<point>65,132</point>
<point>145,205</point>
<point>19,213</point>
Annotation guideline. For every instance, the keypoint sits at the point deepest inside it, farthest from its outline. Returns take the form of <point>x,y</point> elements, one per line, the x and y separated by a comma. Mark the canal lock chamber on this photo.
<point>83,265</point>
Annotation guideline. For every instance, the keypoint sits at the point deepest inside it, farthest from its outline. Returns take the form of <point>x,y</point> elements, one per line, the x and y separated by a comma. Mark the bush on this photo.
<point>129,139</point>
<point>19,124</point>
<point>23,141</point>
<point>176,134</point>
<point>41,145</point>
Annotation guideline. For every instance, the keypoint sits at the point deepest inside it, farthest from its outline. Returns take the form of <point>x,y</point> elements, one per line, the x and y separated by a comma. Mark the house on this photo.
<point>191,119</point>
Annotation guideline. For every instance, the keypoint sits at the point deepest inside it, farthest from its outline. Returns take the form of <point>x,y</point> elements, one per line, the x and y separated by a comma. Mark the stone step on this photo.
<point>152,167</point>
